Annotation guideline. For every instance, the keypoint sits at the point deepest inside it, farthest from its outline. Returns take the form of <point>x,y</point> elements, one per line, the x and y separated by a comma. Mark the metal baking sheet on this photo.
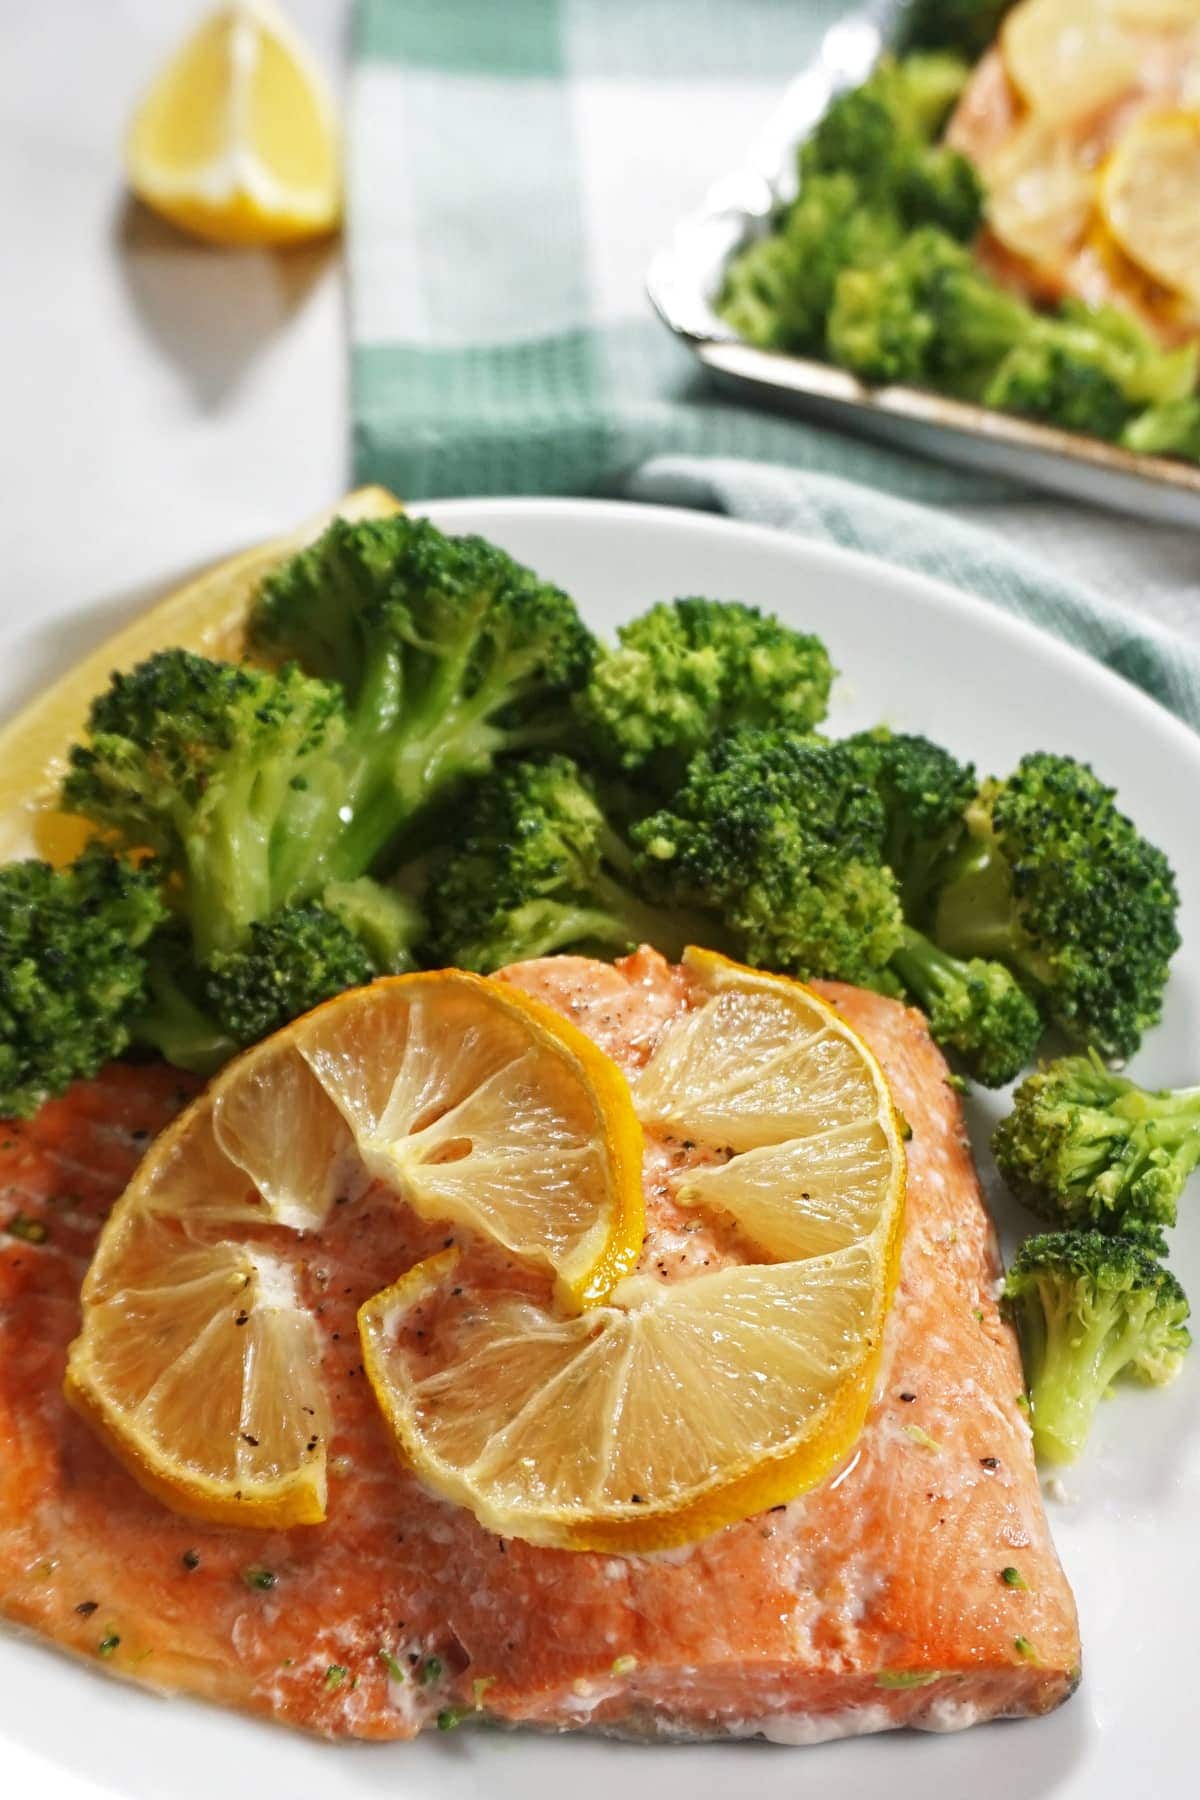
<point>685,278</point>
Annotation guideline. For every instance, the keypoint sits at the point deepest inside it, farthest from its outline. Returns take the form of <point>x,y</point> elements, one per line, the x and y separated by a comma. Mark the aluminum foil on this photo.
<point>686,276</point>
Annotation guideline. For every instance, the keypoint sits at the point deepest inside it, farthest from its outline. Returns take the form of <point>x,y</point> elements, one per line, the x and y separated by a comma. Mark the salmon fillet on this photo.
<point>1086,262</point>
<point>875,1600</point>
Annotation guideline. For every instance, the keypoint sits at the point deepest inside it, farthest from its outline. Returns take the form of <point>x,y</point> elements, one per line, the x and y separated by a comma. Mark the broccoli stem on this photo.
<point>178,1027</point>
<point>1078,1349</point>
<point>975,907</point>
<point>974,1007</point>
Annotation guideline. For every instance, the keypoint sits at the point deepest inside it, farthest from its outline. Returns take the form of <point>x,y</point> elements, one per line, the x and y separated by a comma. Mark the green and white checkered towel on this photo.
<point>514,164</point>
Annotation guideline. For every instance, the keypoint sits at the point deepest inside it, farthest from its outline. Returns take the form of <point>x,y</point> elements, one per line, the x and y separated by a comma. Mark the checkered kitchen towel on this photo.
<point>513,165</point>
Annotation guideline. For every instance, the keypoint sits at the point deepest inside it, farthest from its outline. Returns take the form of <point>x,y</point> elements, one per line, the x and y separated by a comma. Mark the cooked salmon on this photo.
<point>877,1599</point>
<point>1044,237</point>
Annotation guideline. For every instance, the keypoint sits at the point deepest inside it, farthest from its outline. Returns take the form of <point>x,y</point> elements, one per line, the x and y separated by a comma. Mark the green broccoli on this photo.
<point>881,133</point>
<point>925,792</point>
<point>975,1008</point>
<point>1171,429</point>
<point>687,670</point>
<point>926,313</point>
<point>1063,383</point>
<point>1090,1308</point>
<point>288,964</point>
<point>965,26</point>
<point>197,1015</point>
<point>1147,374</point>
<point>388,923</point>
<point>778,290</point>
<point>174,1017</point>
<point>783,838</point>
<point>212,767</point>
<point>1053,880</point>
<point>536,867</point>
<point>1086,1146</point>
<point>448,653</point>
<point>72,970</point>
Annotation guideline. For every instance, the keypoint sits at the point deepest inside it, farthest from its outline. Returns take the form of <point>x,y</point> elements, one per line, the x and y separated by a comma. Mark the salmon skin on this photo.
<point>877,1599</point>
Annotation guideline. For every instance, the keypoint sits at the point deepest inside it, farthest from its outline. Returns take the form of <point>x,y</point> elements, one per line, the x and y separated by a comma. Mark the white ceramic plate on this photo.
<point>919,656</point>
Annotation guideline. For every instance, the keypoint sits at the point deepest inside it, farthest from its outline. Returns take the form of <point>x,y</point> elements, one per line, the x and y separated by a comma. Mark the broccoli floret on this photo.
<point>881,133</point>
<point>288,964</point>
<point>1089,1147</point>
<point>1088,369</point>
<point>1172,429</point>
<point>72,970</point>
<point>975,1008</point>
<point>1147,374</point>
<point>213,767</point>
<point>448,652</point>
<point>925,792</point>
<point>778,290</point>
<point>965,26</point>
<point>1064,383</point>
<point>939,187</point>
<point>927,313</point>
<point>1057,883</point>
<point>783,838</point>
<point>389,924</point>
<point>198,1015</point>
<point>537,867</point>
<point>687,670</point>
<point>1090,1308</point>
<point>175,1017</point>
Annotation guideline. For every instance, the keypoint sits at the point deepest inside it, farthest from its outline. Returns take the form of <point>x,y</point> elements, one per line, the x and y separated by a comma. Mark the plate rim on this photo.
<point>824,559</point>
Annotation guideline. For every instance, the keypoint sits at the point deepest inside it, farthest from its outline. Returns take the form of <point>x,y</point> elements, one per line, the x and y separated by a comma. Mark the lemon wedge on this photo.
<point>197,1360</point>
<point>235,141</point>
<point>208,615</point>
<point>677,1408</point>
<point>1150,199</point>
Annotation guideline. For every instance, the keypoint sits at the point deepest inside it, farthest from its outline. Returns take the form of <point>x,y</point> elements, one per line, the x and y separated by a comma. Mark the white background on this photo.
<point>162,402</point>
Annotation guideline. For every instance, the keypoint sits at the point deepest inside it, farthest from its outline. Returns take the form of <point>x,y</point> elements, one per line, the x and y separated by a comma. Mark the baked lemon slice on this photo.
<point>1041,194</point>
<point>1150,198</point>
<point>235,141</point>
<point>208,614</point>
<point>198,1360</point>
<point>1068,58</point>
<point>676,1408</point>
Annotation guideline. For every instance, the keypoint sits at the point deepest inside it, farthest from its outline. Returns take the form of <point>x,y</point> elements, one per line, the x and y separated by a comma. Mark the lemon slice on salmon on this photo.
<point>1150,198</point>
<point>198,1359</point>
<point>208,614</point>
<point>235,141</point>
<point>676,1408</point>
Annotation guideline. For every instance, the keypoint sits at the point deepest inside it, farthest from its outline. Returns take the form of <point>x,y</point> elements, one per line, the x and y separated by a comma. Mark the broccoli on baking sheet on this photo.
<point>872,267</point>
<point>1090,1308</point>
<point>1089,1147</point>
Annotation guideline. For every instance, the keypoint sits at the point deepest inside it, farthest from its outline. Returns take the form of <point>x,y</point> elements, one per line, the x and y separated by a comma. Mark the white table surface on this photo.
<point>164,403</point>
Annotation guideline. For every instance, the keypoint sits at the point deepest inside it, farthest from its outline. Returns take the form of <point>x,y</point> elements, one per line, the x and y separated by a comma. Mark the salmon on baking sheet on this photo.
<point>1044,236</point>
<point>877,1599</point>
